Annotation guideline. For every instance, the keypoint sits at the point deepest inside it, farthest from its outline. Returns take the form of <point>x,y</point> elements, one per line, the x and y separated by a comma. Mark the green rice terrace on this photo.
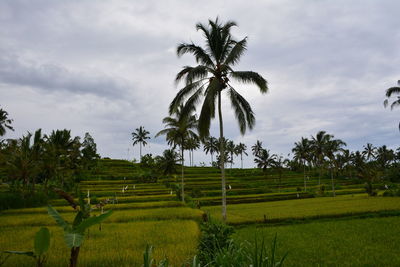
<point>312,227</point>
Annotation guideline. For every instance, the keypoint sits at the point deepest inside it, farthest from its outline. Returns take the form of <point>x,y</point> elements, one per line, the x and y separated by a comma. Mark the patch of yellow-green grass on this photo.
<point>118,244</point>
<point>355,242</point>
<point>305,208</point>
<point>122,206</point>
<point>181,213</point>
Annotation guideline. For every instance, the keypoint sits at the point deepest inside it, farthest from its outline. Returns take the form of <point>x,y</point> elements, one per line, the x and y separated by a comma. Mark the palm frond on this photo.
<point>243,111</point>
<point>395,103</point>
<point>200,54</point>
<point>208,109</point>
<point>236,52</point>
<point>250,77</point>
<point>181,95</point>
<point>392,90</point>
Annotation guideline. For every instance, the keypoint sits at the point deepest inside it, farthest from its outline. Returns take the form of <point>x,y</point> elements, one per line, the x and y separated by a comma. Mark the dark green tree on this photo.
<point>5,122</point>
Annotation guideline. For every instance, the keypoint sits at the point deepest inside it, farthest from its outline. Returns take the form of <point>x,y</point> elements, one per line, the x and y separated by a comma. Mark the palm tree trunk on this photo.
<point>333,184</point>
<point>241,160</point>
<point>183,184</point>
<point>304,174</point>
<point>140,147</point>
<point>222,156</point>
<point>211,159</point>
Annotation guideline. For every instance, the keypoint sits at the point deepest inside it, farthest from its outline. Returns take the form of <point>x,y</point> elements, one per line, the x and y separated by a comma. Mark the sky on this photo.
<point>108,67</point>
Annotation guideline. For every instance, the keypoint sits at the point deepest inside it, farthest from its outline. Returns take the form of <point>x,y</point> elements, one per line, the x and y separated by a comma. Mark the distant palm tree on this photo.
<point>384,156</point>
<point>178,129</point>
<point>231,149</point>
<point>257,148</point>
<point>241,149</point>
<point>140,136</point>
<point>211,77</point>
<point>5,122</point>
<point>333,146</point>
<point>192,144</point>
<point>168,161</point>
<point>318,146</point>
<point>265,160</point>
<point>301,152</point>
<point>392,91</point>
<point>210,145</point>
<point>369,151</point>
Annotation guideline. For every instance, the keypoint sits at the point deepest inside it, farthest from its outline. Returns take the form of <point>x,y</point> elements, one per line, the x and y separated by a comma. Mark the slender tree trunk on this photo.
<point>211,159</point>
<point>241,160</point>
<point>333,184</point>
<point>304,174</point>
<point>183,184</point>
<point>140,147</point>
<point>222,156</point>
<point>73,261</point>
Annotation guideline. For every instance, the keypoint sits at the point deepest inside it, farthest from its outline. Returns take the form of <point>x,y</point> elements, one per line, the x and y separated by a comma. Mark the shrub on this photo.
<point>215,236</point>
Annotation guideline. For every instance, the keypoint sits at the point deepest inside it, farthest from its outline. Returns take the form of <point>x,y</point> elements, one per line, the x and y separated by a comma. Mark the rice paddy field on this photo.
<point>315,228</point>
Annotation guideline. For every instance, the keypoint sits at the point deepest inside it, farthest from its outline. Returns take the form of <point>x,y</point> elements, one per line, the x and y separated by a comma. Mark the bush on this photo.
<point>215,236</point>
<point>15,200</point>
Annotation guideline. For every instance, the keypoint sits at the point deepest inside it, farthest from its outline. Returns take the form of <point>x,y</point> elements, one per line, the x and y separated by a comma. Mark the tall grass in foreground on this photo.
<point>118,244</point>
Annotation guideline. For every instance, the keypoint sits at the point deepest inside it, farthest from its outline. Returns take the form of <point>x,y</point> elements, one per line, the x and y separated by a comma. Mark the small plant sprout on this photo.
<point>41,246</point>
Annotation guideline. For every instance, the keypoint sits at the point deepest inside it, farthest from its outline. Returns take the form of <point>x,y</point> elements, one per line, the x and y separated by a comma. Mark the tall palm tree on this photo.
<point>5,122</point>
<point>231,149</point>
<point>369,151</point>
<point>210,145</point>
<point>178,129</point>
<point>211,77</point>
<point>192,144</point>
<point>140,136</point>
<point>301,152</point>
<point>318,144</point>
<point>256,148</point>
<point>392,91</point>
<point>332,147</point>
<point>240,150</point>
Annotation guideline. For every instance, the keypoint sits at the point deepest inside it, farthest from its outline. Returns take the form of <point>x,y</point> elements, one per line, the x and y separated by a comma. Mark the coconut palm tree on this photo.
<point>192,144</point>
<point>211,77</point>
<point>392,91</point>
<point>178,129</point>
<point>264,159</point>
<point>210,145</point>
<point>140,136</point>
<point>332,147</point>
<point>256,148</point>
<point>231,149</point>
<point>240,150</point>
<point>369,151</point>
<point>301,152</point>
<point>168,161</point>
<point>5,122</point>
<point>318,144</point>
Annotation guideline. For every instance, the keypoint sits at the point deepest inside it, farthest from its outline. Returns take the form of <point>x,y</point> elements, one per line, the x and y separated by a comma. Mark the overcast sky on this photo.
<point>108,67</point>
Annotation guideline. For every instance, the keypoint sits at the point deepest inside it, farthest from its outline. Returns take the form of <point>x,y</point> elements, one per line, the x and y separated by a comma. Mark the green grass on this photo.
<point>305,208</point>
<point>132,215</point>
<point>118,244</point>
<point>357,242</point>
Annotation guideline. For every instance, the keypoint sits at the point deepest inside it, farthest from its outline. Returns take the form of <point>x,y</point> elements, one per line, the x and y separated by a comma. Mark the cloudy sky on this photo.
<point>107,67</point>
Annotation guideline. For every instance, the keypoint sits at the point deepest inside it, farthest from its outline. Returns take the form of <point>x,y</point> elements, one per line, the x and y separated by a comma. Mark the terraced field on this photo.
<point>150,213</point>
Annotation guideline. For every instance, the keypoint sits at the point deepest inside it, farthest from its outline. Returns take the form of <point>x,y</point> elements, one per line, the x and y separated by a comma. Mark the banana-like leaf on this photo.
<point>27,253</point>
<point>73,239</point>
<point>86,223</point>
<point>57,217</point>
<point>78,219</point>
<point>42,241</point>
